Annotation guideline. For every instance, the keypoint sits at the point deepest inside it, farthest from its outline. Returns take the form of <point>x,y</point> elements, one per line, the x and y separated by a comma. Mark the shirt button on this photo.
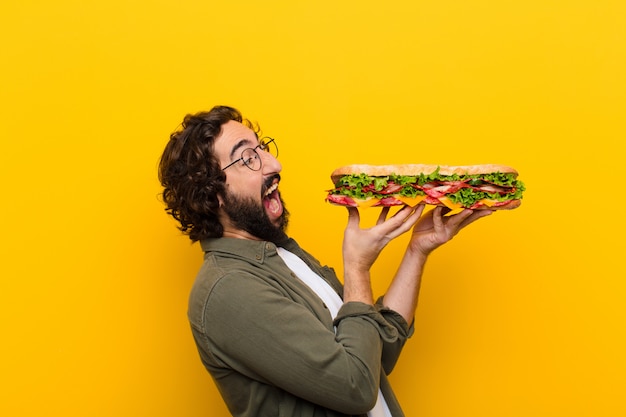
<point>258,257</point>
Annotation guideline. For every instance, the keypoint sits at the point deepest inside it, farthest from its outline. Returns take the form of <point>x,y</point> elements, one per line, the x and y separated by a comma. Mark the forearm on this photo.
<point>403,293</point>
<point>393,349</point>
<point>361,247</point>
<point>357,285</point>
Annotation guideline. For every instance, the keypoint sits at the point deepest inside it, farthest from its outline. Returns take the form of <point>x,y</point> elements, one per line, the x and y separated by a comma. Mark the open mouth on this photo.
<point>271,201</point>
<point>270,190</point>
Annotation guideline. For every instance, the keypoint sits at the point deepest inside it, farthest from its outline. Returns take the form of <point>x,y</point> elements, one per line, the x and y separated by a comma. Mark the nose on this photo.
<point>270,163</point>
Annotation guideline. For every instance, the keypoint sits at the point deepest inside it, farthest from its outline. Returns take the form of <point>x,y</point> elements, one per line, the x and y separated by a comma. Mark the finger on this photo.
<point>455,220</point>
<point>354,217</point>
<point>398,217</point>
<point>408,217</point>
<point>397,224</point>
<point>403,213</point>
<point>445,210</point>
<point>477,214</point>
<point>415,214</point>
<point>466,217</point>
<point>420,209</point>
<point>438,219</point>
<point>383,215</point>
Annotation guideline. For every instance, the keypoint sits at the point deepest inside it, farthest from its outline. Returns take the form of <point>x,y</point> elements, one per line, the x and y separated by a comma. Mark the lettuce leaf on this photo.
<point>352,186</point>
<point>363,180</point>
<point>360,180</point>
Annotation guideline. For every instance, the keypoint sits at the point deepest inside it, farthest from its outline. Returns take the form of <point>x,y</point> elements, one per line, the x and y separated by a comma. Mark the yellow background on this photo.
<point>522,314</point>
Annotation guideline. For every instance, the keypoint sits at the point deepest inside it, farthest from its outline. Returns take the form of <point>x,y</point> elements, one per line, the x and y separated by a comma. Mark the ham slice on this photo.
<point>439,189</point>
<point>343,200</point>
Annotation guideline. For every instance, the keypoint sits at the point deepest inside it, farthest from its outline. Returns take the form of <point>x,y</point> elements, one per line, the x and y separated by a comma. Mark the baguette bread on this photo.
<point>478,187</point>
<point>508,206</point>
<point>417,169</point>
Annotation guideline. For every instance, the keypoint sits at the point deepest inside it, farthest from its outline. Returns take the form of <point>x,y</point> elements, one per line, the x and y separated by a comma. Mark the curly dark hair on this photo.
<point>191,175</point>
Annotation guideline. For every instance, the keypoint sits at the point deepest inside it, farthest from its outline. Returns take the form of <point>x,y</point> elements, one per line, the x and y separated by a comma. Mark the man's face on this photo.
<point>247,215</point>
<point>252,207</point>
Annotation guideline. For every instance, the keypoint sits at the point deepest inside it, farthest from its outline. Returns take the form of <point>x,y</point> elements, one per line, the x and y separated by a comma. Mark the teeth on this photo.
<point>270,190</point>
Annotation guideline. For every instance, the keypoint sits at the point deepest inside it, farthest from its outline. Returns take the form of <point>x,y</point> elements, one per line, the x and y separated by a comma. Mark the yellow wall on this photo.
<point>521,315</point>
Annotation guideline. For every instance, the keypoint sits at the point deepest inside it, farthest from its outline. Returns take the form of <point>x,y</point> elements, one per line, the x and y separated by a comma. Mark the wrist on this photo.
<point>418,253</point>
<point>357,286</point>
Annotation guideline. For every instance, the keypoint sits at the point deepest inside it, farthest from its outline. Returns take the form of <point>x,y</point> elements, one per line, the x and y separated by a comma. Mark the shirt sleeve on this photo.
<point>393,340</point>
<point>262,332</point>
<point>393,348</point>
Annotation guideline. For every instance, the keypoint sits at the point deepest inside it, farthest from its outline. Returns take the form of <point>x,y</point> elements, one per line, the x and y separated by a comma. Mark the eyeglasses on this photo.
<point>251,158</point>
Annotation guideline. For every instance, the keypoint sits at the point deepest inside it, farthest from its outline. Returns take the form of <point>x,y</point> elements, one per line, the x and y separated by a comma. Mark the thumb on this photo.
<point>354,217</point>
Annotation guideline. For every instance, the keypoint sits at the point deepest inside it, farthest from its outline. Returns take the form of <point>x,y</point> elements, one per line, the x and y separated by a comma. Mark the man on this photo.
<point>277,331</point>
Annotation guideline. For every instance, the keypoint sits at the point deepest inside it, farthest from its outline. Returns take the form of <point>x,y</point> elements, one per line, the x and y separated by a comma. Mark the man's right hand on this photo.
<point>361,247</point>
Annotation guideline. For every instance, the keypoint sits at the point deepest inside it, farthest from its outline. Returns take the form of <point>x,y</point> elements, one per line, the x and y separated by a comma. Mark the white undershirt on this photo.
<point>332,301</point>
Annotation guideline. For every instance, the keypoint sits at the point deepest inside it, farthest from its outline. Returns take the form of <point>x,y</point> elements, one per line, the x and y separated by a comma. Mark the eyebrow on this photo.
<point>239,145</point>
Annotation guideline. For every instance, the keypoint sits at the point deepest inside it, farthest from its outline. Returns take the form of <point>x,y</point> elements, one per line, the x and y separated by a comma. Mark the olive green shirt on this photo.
<point>270,344</point>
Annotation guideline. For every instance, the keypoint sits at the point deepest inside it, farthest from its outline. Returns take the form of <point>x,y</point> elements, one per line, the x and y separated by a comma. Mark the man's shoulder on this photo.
<point>216,267</point>
<point>230,264</point>
<point>218,280</point>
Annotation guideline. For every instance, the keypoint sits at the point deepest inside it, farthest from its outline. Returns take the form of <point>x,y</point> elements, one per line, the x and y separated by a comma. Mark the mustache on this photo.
<point>269,182</point>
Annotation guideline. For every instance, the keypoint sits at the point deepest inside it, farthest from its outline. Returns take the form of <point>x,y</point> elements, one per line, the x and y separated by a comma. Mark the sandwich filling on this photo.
<point>454,191</point>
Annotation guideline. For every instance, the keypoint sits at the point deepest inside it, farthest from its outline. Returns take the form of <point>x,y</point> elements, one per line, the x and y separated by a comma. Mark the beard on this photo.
<point>247,214</point>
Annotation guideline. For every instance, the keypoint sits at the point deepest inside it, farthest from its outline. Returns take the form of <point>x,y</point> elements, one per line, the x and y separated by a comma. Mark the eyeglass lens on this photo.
<point>251,157</point>
<point>269,145</point>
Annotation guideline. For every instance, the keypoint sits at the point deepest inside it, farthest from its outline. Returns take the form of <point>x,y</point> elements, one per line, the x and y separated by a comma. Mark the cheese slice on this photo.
<point>367,203</point>
<point>411,201</point>
<point>488,202</point>
<point>454,207</point>
<point>448,203</point>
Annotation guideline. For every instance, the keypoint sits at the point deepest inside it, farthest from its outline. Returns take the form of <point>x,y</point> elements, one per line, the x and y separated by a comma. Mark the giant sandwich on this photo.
<point>476,187</point>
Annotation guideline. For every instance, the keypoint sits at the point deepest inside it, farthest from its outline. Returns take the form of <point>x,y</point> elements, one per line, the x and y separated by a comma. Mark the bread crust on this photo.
<point>416,169</point>
<point>508,206</point>
<point>512,204</point>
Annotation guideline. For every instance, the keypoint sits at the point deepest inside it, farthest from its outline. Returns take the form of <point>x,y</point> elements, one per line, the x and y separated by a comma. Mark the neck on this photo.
<point>231,230</point>
<point>239,234</point>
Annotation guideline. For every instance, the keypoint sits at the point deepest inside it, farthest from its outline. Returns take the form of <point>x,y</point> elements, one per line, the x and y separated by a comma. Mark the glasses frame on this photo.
<point>263,145</point>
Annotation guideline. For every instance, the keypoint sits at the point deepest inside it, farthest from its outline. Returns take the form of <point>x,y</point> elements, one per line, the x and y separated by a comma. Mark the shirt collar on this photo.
<point>253,250</point>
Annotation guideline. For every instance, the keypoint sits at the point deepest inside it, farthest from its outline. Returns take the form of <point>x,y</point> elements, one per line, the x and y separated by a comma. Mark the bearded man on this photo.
<point>277,331</point>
